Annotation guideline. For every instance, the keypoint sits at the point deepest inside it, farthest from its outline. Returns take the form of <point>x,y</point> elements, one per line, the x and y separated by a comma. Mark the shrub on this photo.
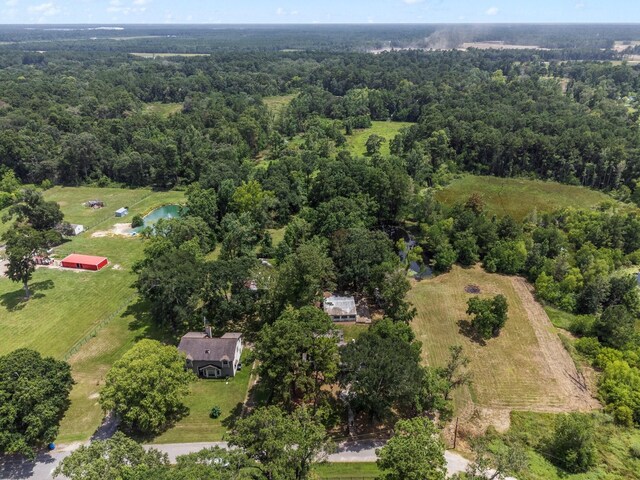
<point>137,221</point>
<point>588,346</point>
<point>634,450</point>
<point>581,325</point>
<point>623,415</point>
<point>46,184</point>
<point>572,447</point>
<point>215,412</point>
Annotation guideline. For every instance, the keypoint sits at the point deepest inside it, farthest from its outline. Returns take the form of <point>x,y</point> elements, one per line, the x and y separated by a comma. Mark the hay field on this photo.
<point>524,368</point>
<point>518,196</point>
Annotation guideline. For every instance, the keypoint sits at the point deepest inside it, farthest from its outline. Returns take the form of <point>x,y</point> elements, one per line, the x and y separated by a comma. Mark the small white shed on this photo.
<point>121,212</point>
<point>76,229</point>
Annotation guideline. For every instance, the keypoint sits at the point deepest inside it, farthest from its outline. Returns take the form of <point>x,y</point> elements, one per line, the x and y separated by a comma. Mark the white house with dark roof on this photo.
<point>341,309</point>
<point>212,357</point>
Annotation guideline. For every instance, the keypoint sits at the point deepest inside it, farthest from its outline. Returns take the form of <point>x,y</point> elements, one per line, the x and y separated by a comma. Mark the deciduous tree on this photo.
<point>146,387</point>
<point>34,394</point>
<point>415,452</point>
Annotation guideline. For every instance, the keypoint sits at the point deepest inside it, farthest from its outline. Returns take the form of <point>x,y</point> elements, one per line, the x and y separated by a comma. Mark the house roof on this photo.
<point>121,210</point>
<point>199,347</point>
<point>338,306</point>
<point>84,259</point>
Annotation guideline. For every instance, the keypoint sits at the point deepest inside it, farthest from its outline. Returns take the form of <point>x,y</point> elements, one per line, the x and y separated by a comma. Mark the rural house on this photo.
<point>212,357</point>
<point>341,309</point>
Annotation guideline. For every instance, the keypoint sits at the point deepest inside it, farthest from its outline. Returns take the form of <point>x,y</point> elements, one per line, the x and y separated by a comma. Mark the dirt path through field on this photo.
<point>571,382</point>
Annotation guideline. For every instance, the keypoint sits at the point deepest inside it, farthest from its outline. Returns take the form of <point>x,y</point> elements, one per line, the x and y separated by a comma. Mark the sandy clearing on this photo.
<point>119,229</point>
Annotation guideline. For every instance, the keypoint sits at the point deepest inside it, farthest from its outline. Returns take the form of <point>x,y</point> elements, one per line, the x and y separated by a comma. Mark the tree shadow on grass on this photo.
<point>142,437</point>
<point>14,301</point>
<point>142,322</point>
<point>466,328</point>
<point>230,420</point>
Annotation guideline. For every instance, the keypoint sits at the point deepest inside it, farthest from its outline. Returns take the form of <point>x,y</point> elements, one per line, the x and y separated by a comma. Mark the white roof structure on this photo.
<point>340,306</point>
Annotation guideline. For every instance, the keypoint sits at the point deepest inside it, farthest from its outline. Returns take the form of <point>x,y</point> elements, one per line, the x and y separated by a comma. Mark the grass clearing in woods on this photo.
<point>276,103</point>
<point>523,368</point>
<point>356,143</point>
<point>162,109</point>
<point>518,197</point>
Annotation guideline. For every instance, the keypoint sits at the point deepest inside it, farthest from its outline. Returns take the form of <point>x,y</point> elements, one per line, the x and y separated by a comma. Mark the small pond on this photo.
<point>167,211</point>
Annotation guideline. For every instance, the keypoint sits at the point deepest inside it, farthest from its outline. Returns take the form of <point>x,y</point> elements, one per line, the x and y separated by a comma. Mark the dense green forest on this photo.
<point>76,112</point>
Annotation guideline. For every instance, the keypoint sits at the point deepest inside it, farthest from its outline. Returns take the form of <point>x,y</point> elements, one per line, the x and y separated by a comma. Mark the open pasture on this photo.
<point>524,368</point>
<point>518,196</point>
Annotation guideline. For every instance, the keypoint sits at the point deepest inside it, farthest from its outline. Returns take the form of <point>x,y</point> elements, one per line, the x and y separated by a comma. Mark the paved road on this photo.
<point>350,452</point>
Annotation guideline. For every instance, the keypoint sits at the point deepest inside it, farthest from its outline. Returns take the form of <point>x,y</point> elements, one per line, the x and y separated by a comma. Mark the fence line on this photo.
<point>99,326</point>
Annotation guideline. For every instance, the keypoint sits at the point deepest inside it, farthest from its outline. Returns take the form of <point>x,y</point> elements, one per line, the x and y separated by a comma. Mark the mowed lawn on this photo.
<point>347,471</point>
<point>228,394</point>
<point>91,318</point>
<point>356,143</point>
<point>140,201</point>
<point>508,371</point>
<point>67,304</point>
<point>519,197</point>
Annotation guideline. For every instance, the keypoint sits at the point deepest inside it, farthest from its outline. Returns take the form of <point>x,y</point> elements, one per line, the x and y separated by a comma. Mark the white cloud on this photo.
<point>492,11</point>
<point>580,5</point>
<point>412,2</point>
<point>11,3</point>
<point>118,6</point>
<point>45,9</point>
<point>280,11</point>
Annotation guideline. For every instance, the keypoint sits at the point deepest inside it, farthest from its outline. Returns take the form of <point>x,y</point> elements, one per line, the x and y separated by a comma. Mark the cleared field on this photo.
<point>356,143</point>
<point>277,103</point>
<point>499,45</point>
<point>162,109</point>
<point>165,54</point>
<point>228,394</point>
<point>67,304</point>
<point>88,317</point>
<point>524,368</point>
<point>519,197</point>
<point>139,201</point>
<point>89,367</point>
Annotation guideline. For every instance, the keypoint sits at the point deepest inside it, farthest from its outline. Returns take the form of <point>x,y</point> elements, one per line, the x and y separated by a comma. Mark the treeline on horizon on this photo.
<point>574,41</point>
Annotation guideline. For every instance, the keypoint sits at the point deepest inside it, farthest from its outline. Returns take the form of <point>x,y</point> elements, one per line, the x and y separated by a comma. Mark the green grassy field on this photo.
<point>277,103</point>
<point>347,471</point>
<point>388,130</point>
<point>139,201</point>
<point>88,317</point>
<point>518,197</point>
<point>510,371</point>
<point>162,109</point>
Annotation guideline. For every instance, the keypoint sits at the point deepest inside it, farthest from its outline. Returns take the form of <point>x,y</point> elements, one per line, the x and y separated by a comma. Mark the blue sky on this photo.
<point>318,11</point>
